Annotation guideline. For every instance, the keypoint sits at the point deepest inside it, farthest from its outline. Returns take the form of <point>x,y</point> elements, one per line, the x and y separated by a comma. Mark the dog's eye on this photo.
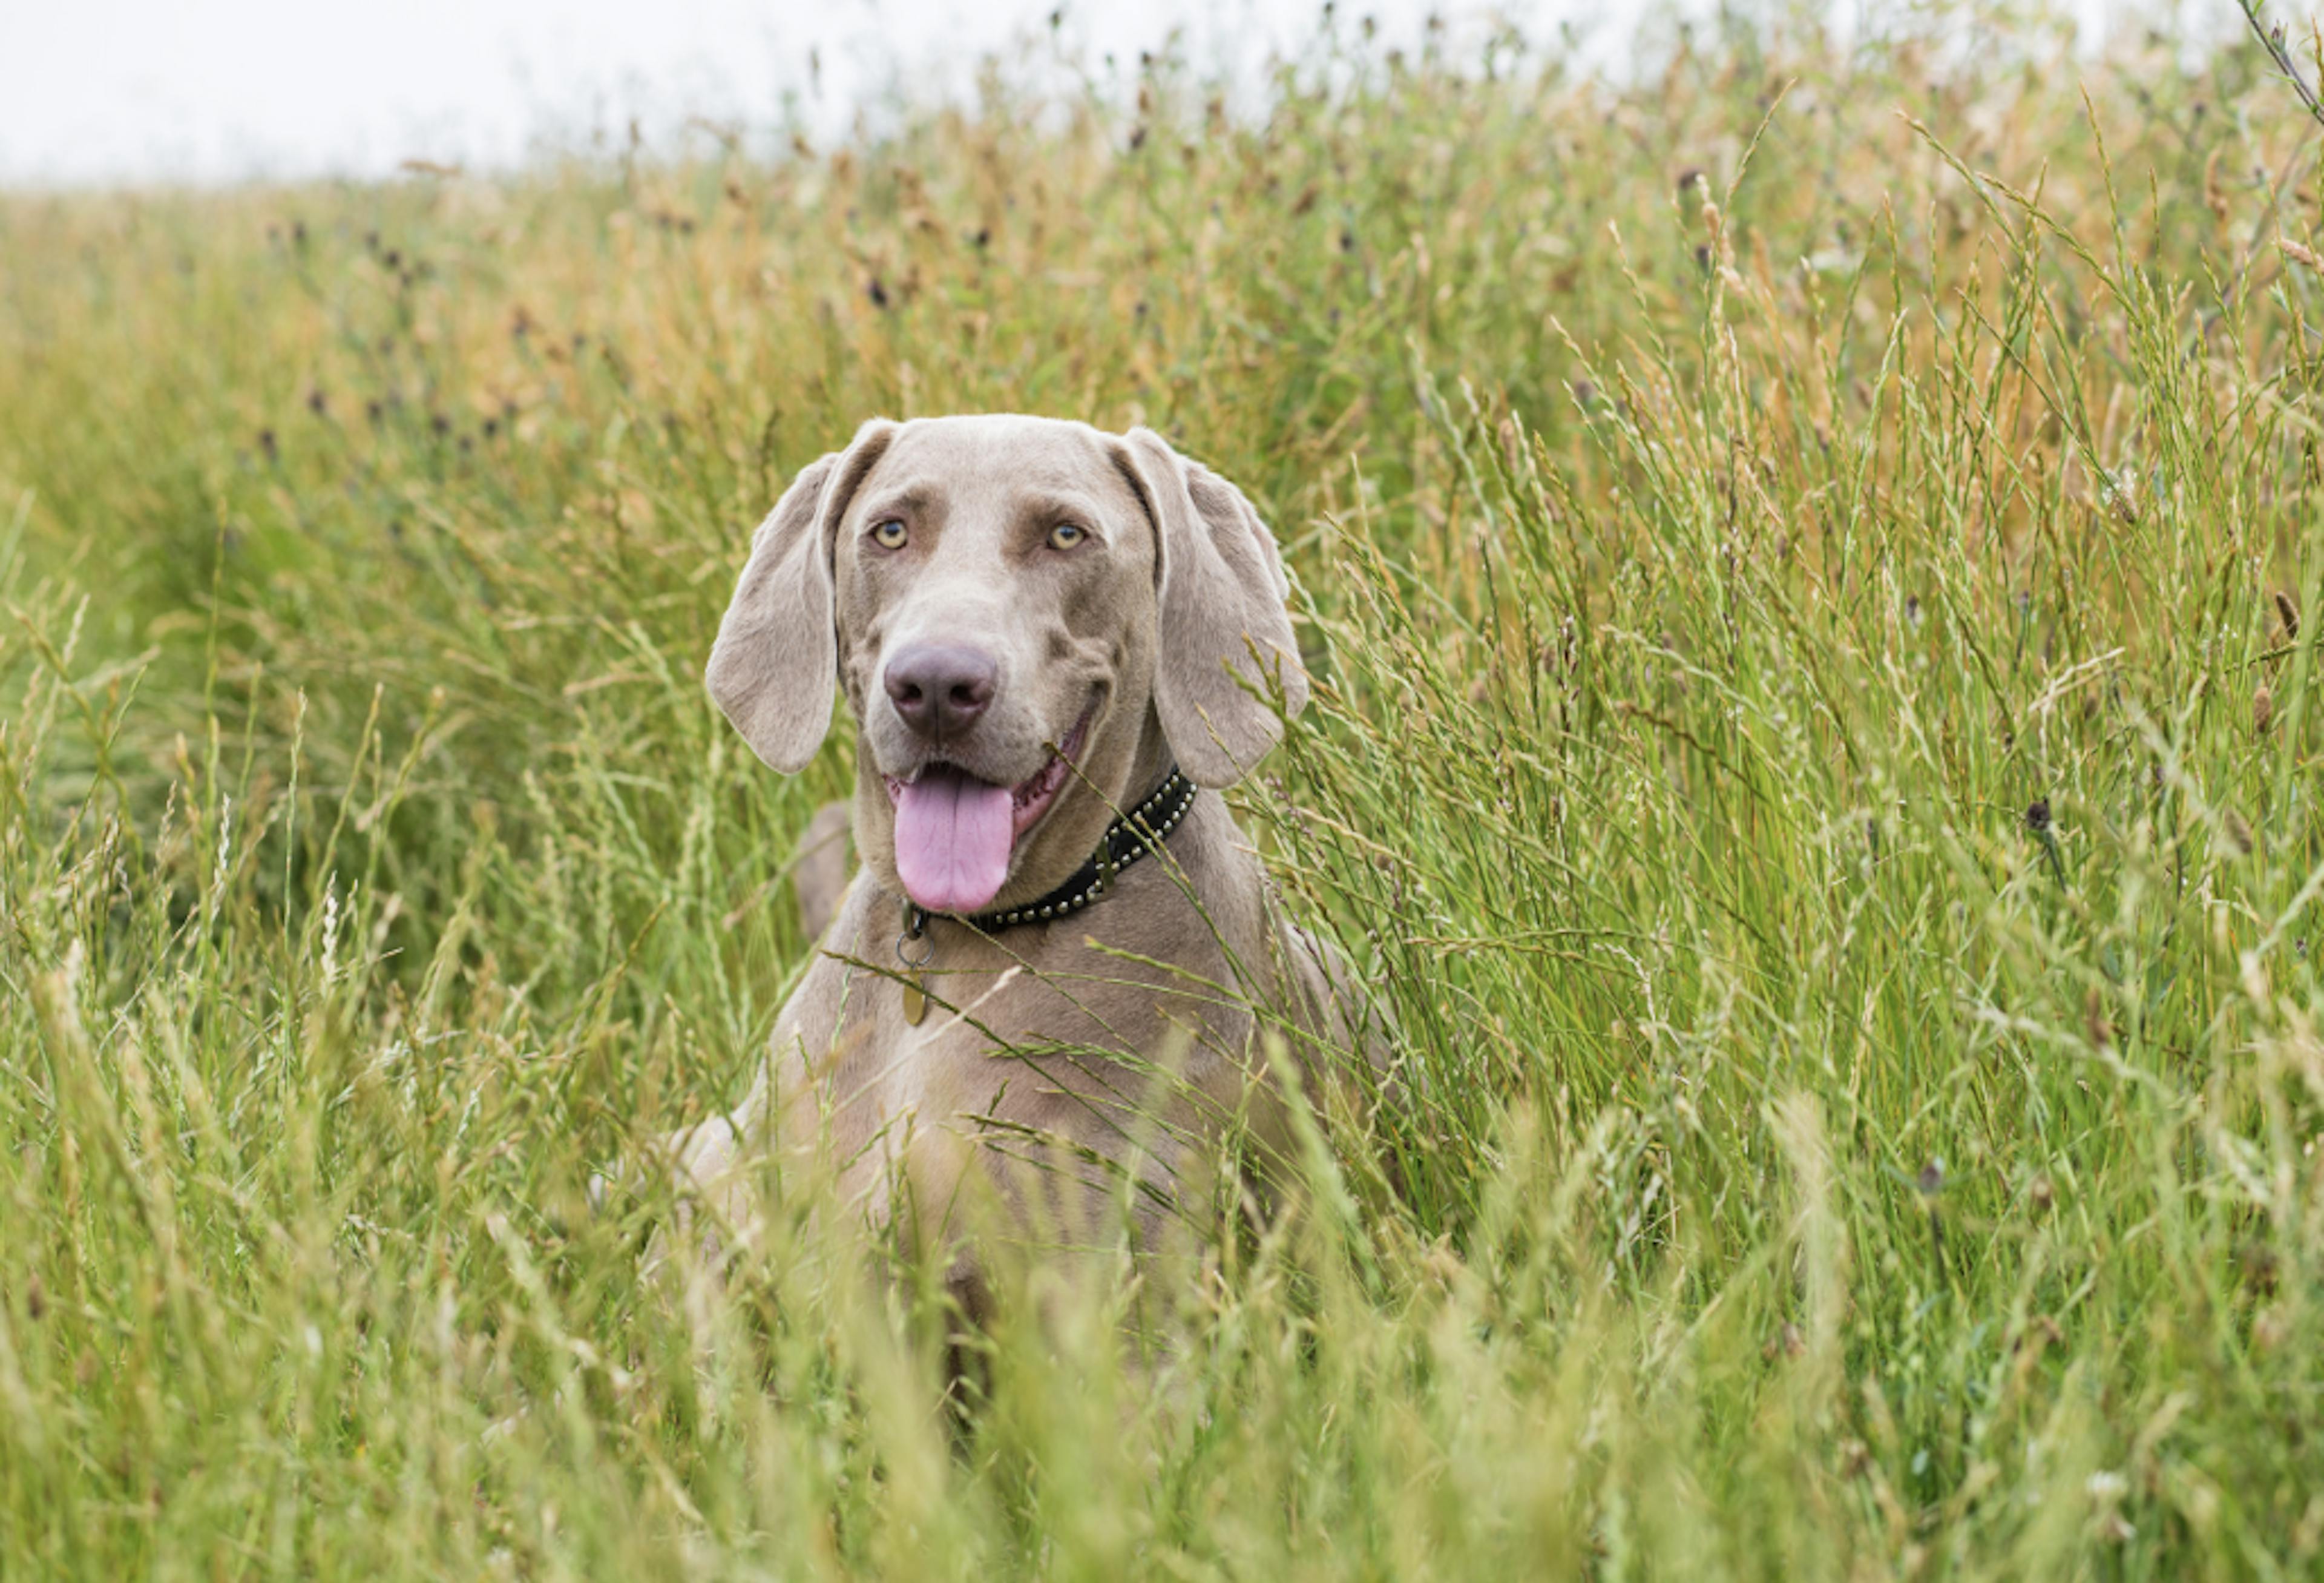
<point>1066,535</point>
<point>890,534</point>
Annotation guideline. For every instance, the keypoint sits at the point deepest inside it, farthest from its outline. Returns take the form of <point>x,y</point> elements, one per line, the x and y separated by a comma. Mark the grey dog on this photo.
<point>1058,644</point>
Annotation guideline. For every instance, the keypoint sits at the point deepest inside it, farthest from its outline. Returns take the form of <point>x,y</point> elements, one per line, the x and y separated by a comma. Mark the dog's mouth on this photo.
<point>955,834</point>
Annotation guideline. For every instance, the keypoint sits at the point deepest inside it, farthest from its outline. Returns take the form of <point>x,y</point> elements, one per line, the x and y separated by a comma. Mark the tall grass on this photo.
<point>1811,568</point>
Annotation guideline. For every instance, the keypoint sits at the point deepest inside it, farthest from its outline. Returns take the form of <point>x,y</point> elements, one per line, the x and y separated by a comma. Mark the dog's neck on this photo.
<point>1143,823</point>
<point>1149,764</point>
<point>1119,784</point>
<point>1063,843</point>
<point>1140,830</point>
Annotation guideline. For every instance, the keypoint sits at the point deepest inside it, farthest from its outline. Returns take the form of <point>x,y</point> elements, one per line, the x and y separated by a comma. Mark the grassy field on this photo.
<point>1811,564</point>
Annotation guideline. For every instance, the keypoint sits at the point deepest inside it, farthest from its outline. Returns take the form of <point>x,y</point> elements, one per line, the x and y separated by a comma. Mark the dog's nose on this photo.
<point>940,688</point>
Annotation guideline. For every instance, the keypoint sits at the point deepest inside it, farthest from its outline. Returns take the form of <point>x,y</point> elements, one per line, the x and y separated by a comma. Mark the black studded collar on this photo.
<point>1127,840</point>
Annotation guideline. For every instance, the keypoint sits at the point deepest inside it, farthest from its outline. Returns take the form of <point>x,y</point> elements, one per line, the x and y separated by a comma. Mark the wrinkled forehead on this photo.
<point>998,468</point>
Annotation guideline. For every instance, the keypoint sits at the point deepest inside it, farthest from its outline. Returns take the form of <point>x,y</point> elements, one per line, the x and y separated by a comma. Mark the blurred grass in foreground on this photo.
<point>1816,737</point>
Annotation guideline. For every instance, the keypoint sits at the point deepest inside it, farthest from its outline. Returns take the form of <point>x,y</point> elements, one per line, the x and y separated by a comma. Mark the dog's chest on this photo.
<point>1047,1031</point>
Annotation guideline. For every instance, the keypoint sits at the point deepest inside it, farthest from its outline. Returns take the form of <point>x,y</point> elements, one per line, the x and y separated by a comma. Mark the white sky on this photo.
<point>96,91</point>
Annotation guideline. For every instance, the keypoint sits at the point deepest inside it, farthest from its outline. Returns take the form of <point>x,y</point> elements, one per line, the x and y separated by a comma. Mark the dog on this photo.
<point>1059,972</point>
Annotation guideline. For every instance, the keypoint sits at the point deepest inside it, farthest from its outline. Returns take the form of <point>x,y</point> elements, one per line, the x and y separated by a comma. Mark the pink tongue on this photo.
<point>953,836</point>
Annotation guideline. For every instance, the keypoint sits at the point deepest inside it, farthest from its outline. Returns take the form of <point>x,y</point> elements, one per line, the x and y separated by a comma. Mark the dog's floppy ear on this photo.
<point>776,664</point>
<point>1225,641</point>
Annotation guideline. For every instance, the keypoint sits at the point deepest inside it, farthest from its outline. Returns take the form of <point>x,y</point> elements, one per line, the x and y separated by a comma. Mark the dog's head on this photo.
<point>1023,613</point>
